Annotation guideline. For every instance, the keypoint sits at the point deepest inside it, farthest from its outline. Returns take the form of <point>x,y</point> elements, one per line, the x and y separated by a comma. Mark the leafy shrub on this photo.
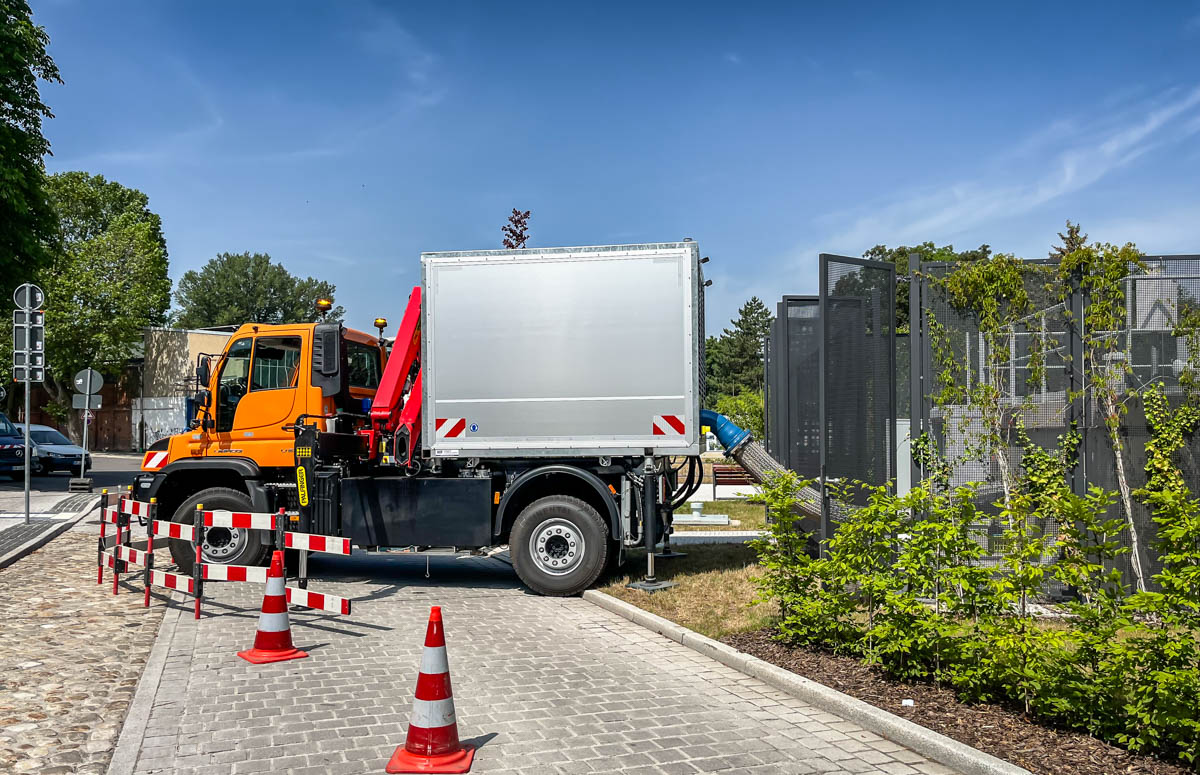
<point>900,584</point>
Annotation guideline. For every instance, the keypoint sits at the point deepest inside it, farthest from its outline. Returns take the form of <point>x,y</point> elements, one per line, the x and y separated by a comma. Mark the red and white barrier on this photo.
<point>121,553</point>
<point>310,542</point>
<point>217,572</point>
<point>308,599</point>
<point>242,520</point>
<point>135,508</point>
<point>160,578</point>
<point>178,530</point>
<point>129,554</point>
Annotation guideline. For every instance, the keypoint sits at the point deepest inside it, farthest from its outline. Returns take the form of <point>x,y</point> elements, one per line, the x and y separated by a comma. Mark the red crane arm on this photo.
<point>387,410</point>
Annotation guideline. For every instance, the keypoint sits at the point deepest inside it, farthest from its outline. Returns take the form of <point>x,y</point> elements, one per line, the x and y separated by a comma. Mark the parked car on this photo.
<point>12,448</point>
<point>55,452</point>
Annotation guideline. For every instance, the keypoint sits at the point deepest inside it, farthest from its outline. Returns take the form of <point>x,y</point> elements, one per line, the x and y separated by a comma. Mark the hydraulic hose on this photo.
<point>752,457</point>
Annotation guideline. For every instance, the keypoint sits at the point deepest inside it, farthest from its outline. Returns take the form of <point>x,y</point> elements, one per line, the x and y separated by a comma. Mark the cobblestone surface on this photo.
<point>545,685</point>
<point>70,657</point>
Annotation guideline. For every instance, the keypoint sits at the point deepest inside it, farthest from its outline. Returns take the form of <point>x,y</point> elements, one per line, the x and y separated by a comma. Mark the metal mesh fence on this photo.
<point>1120,363</point>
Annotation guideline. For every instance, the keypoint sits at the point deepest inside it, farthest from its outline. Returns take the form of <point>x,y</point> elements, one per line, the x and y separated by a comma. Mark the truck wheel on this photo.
<point>221,545</point>
<point>559,545</point>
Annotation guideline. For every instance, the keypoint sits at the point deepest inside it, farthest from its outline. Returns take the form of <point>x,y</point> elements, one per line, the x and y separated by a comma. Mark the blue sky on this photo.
<point>345,138</point>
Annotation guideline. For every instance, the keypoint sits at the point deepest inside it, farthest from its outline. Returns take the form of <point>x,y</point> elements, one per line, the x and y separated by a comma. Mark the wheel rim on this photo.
<point>557,547</point>
<point>221,543</point>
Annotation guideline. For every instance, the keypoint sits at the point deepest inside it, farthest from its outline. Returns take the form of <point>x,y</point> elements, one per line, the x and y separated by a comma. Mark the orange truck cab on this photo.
<point>239,454</point>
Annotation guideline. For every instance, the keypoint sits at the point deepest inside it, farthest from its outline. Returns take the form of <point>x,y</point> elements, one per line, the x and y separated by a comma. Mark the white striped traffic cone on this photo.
<point>273,640</point>
<point>432,744</point>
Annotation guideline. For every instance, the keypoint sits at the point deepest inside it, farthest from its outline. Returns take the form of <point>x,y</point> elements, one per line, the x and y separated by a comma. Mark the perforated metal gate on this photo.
<point>857,367</point>
<point>792,386</point>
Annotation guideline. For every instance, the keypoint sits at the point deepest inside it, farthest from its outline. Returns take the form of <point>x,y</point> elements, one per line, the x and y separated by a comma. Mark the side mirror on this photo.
<point>203,372</point>
<point>204,398</point>
<point>328,358</point>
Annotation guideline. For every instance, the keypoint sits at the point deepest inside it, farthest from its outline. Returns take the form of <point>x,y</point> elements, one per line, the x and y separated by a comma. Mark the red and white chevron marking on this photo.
<point>136,508</point>
<point>109,515</point>
<point>107,560</point>
<point>219,572</point>
<point>155,460</point>
<point>449,427</point>
<point>321,602</point>
<point>242,520</point>
<point>129,554</point>
<point>160,578</point>
<point>173,530</point>
<point>667,425</point>
<point>315,543</point>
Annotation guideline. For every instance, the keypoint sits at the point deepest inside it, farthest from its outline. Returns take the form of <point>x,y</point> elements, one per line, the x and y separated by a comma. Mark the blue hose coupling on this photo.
<point>729,434</point>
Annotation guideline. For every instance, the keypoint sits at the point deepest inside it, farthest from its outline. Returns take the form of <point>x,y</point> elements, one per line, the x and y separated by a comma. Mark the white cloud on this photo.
<point>732,58</point>
<point>1078,158</point>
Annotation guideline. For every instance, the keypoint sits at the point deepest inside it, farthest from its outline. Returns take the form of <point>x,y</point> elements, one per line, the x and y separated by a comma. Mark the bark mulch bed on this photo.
<point>1002,732</point>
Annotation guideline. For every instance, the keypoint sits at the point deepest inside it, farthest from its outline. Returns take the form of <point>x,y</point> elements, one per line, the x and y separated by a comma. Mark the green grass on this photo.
<point>713,592</point>
<point>742,515</point>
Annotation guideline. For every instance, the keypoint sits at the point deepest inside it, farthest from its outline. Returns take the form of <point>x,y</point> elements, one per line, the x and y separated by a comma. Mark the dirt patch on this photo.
<point>993,729</point>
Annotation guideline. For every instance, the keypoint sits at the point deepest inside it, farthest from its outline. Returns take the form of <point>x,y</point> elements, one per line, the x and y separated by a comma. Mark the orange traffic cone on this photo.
<point>273,641</point>
<point>432,744</point>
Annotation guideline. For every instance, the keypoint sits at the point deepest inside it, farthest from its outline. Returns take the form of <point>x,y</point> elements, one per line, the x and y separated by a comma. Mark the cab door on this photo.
<point>256,395</point>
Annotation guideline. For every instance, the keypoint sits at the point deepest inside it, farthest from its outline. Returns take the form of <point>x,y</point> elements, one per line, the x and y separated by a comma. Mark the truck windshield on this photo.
<point>7,428</point>
<point>365,368</point>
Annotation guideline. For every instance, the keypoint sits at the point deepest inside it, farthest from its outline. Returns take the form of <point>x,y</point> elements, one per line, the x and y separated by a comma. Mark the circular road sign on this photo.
<point>88,381</point>
<point>28,296</point>
<point>3,393</point>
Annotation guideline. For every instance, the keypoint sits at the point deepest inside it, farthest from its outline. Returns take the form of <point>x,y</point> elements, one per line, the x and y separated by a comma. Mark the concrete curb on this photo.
<point>52,531</point>
<point>133,730</point>
<point>938,747</point>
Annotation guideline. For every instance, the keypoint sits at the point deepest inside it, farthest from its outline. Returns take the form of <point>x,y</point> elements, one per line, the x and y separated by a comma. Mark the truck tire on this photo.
<point>221,545</point>
<point>559,545</point>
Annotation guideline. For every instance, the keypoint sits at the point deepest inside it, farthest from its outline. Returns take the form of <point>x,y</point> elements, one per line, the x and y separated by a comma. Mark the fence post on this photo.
<point>1076,414</point>
<point>916,367</point>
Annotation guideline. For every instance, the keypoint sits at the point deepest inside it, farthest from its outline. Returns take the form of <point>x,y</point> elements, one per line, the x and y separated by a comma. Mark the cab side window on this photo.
<point>276,362</point>
<point>365,365</point>
<point>232,385</point>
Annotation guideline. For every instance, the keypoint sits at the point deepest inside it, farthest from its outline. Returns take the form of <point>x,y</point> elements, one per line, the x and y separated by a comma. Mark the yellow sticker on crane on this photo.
<point>302,485</point>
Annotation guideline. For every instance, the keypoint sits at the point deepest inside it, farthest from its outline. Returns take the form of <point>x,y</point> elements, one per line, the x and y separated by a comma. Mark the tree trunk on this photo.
<point>1114,438</point>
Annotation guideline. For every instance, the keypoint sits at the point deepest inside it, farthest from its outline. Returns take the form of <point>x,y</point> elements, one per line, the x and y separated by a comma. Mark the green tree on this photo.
<point>899,257</point>
<point>107,282</point>
<point>236,288</point>
<point>733,361</point>
<point>1073,240</point>
<point>27,224</point>
<point>516,231</point>
<point>746,410</point>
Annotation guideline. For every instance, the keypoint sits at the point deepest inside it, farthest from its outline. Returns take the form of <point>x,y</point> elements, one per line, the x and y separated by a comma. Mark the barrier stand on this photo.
<point>118,564</point>
<point>151,518</point>
<point>100,547</point>
<point>198,529</point>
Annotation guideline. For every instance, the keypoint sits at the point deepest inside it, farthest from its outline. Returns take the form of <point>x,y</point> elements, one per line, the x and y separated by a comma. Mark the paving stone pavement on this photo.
<point>70,657</point>
<point>545,685</point>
